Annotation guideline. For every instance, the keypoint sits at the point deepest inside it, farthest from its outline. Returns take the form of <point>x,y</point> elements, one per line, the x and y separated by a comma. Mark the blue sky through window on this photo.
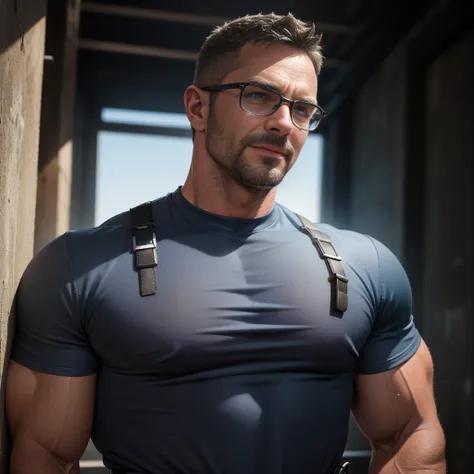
<point>133,168</point>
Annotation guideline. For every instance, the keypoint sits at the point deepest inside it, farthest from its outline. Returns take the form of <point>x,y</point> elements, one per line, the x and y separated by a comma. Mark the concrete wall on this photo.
<point>449,237</point>
<point>365,155</point>
<point>411,186</point>
<point>376,204</point>
<point>57,122</point>
<point>22,29</point>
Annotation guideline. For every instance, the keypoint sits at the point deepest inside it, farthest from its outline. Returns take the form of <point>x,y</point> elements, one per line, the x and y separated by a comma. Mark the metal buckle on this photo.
<point>338,276</point>
<point>311,232</point>
<point>342,469</point>
<point>324,254</point>
<point>345,468</point>
<point>143,238</point>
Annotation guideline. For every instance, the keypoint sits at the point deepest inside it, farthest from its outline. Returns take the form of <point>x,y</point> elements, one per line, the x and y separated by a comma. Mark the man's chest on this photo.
<point>222,302</point>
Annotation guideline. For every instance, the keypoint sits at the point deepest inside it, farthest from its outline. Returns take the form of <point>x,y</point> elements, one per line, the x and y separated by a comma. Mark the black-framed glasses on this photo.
<point>262,100</point>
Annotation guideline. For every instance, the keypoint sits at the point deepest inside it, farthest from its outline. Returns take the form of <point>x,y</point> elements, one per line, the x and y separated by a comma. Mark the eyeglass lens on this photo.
<point>261,101</point>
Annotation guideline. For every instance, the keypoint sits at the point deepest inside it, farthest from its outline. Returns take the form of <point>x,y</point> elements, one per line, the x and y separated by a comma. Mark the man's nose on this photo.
<point>280,121</point>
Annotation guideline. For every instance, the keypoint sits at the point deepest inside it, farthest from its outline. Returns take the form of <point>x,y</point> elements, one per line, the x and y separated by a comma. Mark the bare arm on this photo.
<point>396,411</point>
<point>50,418</point>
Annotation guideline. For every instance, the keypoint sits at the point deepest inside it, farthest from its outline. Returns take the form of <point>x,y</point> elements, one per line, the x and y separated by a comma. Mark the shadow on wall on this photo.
<point>58,95</point>
<point>19,80</point>
<point>26,14</point>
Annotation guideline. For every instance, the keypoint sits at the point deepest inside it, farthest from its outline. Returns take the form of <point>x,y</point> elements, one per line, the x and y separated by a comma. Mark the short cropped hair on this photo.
<point>219,54</point>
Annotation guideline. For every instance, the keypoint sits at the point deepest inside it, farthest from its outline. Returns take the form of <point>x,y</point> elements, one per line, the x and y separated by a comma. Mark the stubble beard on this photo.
<point>235,166</point>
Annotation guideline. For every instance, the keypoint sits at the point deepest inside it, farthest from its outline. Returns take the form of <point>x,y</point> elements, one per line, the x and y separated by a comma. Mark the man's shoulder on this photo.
<point>350,240</point>
<point>370,257</point>
<point>122,219</point>
<point>86,247</point>
<point>111,239</point>
<point>115,226</point>
<point>358,249</point>
<point>345,237</point>
<point>92,238</point>
<point>363,250</point>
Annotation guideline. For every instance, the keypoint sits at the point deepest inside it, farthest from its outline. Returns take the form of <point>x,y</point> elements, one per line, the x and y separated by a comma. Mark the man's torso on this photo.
<point>236,364</point>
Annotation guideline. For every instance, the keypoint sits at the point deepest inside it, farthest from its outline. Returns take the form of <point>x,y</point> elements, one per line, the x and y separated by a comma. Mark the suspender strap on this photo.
<point>144,247</point>
<point>337,276</point>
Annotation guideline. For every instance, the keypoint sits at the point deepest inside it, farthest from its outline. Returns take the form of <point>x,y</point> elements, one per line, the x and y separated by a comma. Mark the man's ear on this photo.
<point>196,105</point>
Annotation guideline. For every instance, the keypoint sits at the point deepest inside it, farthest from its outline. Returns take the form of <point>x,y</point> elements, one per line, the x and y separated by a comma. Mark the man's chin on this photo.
<point>259,172</point>
<point>262,182</point>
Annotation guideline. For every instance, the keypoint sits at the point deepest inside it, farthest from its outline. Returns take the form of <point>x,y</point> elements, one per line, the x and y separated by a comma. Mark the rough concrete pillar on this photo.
<point>448,278</point>
<point>57,122</point>
<point>22,29</point>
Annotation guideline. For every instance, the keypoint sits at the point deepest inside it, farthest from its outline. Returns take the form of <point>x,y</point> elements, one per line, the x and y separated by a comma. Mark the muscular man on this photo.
<point>238,353</point>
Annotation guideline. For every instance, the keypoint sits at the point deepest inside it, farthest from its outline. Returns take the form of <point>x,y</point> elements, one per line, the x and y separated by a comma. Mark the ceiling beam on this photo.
<point>192,18</point>
<point>157,52</point>
<point>152,14</point>
<point>145,129</point>
<point>137,50</point>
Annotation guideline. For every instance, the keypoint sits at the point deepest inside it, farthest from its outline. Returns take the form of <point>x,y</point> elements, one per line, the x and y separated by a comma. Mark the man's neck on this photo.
<point>226,197</point>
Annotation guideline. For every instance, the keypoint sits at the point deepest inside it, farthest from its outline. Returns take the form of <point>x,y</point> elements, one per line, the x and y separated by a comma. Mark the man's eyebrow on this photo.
<point>264,83</point>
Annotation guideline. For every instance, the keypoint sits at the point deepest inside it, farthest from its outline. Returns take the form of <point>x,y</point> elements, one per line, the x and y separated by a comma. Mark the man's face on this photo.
<point>257,152</point>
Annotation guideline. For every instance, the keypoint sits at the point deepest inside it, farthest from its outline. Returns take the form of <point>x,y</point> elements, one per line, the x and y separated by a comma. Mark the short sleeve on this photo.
<point>49,334</point>
<point>394,338</point>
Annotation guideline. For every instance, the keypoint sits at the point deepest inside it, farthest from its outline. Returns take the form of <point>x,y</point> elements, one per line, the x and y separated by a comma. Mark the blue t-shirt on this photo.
<point>236,365</point>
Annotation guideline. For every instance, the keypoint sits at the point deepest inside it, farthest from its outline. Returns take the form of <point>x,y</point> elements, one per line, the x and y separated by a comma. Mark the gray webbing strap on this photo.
<point>144,247</point>
<point>337,276</point>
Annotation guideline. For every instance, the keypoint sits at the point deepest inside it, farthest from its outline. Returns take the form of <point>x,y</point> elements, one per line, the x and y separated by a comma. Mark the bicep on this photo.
<point>53,412</point>
<point>51,333</point>
<point>390,404</point>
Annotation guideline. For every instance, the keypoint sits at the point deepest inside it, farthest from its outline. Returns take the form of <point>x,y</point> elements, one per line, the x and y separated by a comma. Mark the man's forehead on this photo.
<point>279,65</point>
<point>267,55</point>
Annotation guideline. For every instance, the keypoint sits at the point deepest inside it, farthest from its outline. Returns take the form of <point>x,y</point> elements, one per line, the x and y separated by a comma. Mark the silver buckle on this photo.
<point>147,238</point>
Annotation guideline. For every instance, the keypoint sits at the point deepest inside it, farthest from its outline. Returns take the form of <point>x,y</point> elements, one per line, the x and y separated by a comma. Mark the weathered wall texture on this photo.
<point>57,122</point>
<point>426,91</point>
<point>22,27</point>
<point>376,205</point>
<point>448,249</point>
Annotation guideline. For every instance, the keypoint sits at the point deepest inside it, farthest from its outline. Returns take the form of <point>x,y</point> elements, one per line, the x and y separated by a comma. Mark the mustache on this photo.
<point>269,139</point>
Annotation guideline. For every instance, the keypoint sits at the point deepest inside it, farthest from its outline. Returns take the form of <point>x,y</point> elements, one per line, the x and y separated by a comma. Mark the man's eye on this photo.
<point>257,96</point>
<point>303,110</point>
